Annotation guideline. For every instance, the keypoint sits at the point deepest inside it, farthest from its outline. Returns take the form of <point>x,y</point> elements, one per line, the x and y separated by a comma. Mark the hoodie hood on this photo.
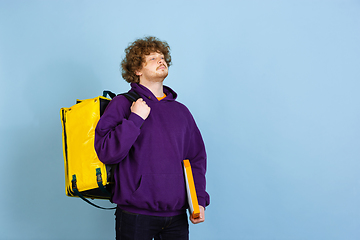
<point>145,93</point>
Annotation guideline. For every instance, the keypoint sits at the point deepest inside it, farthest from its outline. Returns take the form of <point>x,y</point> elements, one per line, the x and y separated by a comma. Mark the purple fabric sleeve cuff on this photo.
<point>201,202</point>
<point>138,121</point>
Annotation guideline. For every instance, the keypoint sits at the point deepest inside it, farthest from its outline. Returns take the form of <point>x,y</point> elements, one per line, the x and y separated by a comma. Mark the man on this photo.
<point>148,140</point>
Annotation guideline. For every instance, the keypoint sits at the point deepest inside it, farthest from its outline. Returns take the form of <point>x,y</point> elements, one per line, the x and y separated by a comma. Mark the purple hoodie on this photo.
<point>149,177</point>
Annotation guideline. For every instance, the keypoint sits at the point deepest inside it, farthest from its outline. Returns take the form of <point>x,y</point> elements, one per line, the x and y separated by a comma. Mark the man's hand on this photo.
<point>140,108</point>
<point>201,218</point>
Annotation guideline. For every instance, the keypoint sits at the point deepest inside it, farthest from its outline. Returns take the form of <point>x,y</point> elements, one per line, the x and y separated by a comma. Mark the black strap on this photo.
<point>100,184</point>
<point>111,94</point>
<point>76,191</point>
<point>131,96</point>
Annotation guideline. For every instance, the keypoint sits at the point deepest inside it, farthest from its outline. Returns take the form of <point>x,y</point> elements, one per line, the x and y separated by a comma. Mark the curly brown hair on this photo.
<point>135,56</point>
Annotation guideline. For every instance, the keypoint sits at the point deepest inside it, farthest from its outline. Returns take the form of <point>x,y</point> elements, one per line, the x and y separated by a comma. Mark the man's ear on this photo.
<point>138,73</point>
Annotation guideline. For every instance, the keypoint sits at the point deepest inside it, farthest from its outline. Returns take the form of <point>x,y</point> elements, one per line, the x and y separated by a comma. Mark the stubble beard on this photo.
<point>160,77</point>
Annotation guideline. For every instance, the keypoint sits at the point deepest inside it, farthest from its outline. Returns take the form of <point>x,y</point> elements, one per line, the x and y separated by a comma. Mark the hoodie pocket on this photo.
<point>160,192</point>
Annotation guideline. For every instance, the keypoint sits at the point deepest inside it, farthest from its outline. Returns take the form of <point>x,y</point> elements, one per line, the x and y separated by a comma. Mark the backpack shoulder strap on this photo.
<point>131,96</point>
<point>111,94</point>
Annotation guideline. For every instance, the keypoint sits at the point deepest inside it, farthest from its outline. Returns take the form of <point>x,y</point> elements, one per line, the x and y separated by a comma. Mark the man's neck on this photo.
<point>155,87</point>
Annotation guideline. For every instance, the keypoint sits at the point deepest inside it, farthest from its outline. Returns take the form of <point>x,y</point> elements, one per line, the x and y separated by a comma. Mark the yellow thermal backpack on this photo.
<point>85,175</point>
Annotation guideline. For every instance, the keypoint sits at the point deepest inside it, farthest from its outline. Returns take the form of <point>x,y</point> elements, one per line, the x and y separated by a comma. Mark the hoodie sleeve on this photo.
<point>197,156</point>
<point>116,131</point>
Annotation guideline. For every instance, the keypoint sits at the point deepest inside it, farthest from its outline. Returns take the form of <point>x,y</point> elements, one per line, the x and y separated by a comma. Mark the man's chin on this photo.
<point>159,79</point>
<point>162,77</point>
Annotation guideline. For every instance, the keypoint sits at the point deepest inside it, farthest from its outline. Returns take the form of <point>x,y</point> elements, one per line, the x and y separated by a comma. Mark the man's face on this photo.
<point>154,69</point>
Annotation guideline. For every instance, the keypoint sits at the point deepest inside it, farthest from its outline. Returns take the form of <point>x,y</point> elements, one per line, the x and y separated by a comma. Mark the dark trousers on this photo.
<point>131,226</point>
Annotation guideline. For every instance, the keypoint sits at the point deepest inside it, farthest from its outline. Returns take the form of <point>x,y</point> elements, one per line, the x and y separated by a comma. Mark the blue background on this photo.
<point>273,86</point>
